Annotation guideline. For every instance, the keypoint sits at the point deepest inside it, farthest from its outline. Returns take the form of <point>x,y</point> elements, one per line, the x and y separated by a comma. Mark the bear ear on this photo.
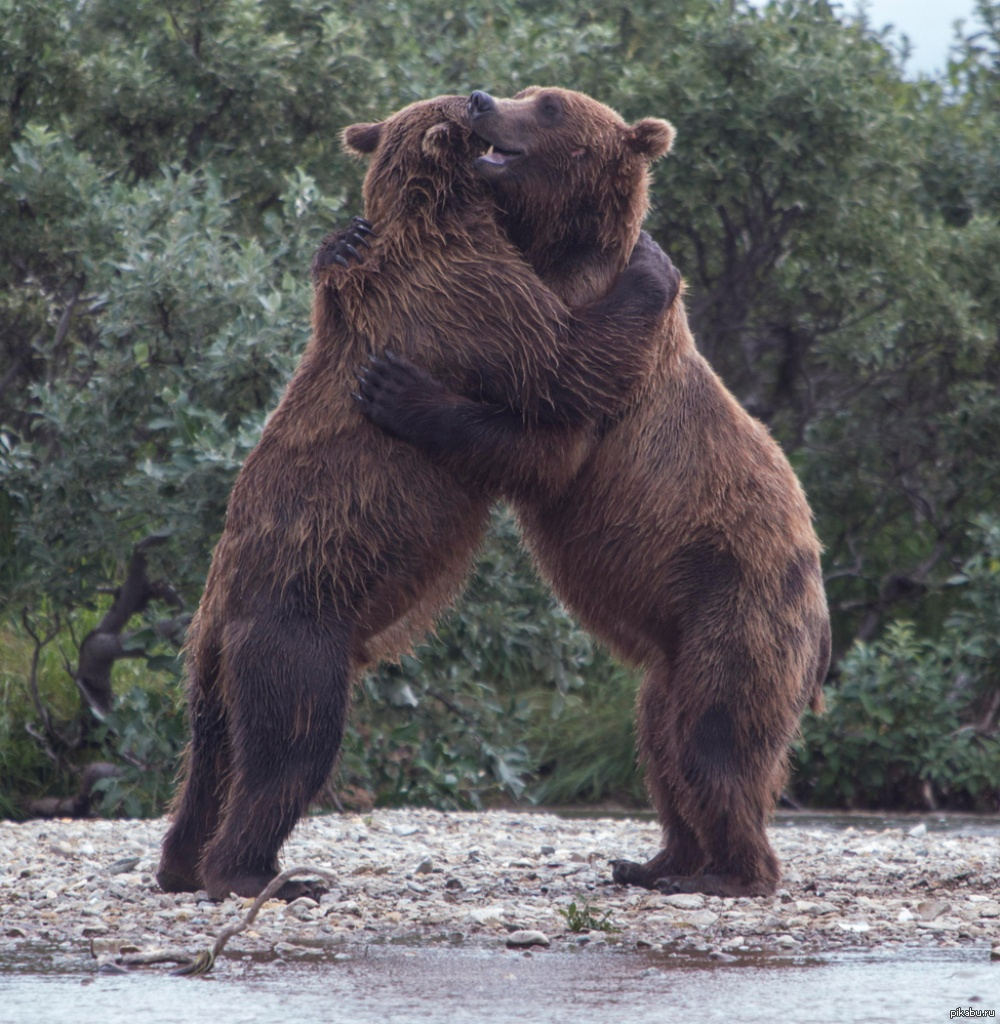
<point>437,141</point>
<point>651,137</point>
<point>362,139</point>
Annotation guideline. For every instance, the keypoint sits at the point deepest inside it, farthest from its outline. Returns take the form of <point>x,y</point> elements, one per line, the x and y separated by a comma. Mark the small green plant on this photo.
<point>584,919</point>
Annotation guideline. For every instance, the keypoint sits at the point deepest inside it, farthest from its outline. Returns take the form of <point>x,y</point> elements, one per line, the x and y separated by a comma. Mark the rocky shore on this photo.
<point>502,878</point>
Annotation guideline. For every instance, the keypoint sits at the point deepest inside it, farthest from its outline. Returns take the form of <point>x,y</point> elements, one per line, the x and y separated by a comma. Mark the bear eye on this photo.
<point>549,106</point>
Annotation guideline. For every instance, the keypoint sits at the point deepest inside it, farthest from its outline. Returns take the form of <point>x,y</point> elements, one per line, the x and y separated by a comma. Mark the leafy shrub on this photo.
<point>895,733</point>
<point>585,746</point>
<point>143,735</point>
<point>447,726</point>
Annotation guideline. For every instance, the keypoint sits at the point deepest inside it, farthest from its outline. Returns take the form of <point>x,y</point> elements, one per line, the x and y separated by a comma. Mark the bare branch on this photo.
<point>40,643</point>
<point>104,645</point>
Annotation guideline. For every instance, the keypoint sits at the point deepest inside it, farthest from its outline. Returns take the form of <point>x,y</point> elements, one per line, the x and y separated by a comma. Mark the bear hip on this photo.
<point>361,526</point>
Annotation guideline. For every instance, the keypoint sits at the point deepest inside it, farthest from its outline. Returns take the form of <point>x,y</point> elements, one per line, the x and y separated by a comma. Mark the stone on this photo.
<point>931,910</point>
<point>290,951</point>
<point>121,867</point>
<point>684,900</point>
<point>484,915</point>
<point>525,937</point>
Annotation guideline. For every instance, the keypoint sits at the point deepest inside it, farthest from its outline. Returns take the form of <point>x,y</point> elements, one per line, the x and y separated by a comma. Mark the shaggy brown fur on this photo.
<point>684,540</point>
<point>342,545</point>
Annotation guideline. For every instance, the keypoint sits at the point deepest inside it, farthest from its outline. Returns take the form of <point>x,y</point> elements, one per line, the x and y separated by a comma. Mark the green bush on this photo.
<point>900,729</point>
<point>584,747</point>
<point>165,176</point>
<point>143,735</point>
<point>448,726</point>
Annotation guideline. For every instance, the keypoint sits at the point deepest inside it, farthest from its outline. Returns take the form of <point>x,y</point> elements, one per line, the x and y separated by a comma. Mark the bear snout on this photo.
<point>481,103</point>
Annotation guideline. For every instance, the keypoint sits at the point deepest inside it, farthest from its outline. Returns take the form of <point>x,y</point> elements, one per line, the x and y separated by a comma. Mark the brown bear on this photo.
<point>341,545</point>
<point>684,540</point>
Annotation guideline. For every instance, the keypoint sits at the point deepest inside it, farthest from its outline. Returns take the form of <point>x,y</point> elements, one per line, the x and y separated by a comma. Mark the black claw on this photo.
<point>360,240</point>
<point>360,224</point>
<point>336,258</point>
<point>351,251</point>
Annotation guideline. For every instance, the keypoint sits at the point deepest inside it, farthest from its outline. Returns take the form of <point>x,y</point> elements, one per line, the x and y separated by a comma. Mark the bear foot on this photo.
<point>171,880</point>
<point>251,885</point>
<point>715,885</point>
<point>665,864</point>
<point>629,872</point>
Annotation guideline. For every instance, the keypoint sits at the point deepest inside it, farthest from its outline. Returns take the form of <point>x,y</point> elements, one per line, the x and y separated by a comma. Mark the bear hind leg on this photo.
<point>206,768</point>
<point>682,853</point>
<point>727,786</point>
<point>292,676</point>
<point>714,771</point>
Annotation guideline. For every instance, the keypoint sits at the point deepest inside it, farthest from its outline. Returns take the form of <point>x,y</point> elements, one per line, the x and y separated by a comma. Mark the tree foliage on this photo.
<point>166,170</point>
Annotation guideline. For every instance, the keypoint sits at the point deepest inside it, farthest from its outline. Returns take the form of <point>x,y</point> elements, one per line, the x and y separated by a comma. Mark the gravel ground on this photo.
<point>498,878</point>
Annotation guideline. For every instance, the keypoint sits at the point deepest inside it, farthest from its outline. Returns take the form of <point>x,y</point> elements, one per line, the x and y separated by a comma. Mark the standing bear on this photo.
<point>683,540</point>
<point>340,544</point>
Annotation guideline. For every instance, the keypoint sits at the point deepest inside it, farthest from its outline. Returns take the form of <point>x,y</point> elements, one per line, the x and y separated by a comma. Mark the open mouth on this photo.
<point>499,157</point>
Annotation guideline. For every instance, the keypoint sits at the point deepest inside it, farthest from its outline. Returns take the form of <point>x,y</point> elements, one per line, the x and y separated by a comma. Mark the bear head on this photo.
<point>421,160</point>
<point>566,168</point>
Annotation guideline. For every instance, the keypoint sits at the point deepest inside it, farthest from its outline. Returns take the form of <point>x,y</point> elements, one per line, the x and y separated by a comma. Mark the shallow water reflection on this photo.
<point>389,985</point>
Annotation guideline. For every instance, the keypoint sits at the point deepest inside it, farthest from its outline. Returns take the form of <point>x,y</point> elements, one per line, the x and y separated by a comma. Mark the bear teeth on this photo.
<point>498,157</point>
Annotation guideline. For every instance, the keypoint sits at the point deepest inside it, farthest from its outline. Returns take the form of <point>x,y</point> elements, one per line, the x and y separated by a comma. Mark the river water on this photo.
<point>389,985</point>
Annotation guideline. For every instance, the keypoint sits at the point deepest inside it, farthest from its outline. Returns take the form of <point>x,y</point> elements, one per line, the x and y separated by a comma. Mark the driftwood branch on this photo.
<point>205,961</point>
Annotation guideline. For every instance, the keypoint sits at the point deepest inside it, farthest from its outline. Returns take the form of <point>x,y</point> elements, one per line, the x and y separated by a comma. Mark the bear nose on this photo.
<point>481,103</point>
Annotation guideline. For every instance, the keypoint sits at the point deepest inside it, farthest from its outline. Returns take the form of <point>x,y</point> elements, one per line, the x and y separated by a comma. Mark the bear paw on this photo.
<point>716,885</point>
<point>390,388</point>
<point>341,247</point>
